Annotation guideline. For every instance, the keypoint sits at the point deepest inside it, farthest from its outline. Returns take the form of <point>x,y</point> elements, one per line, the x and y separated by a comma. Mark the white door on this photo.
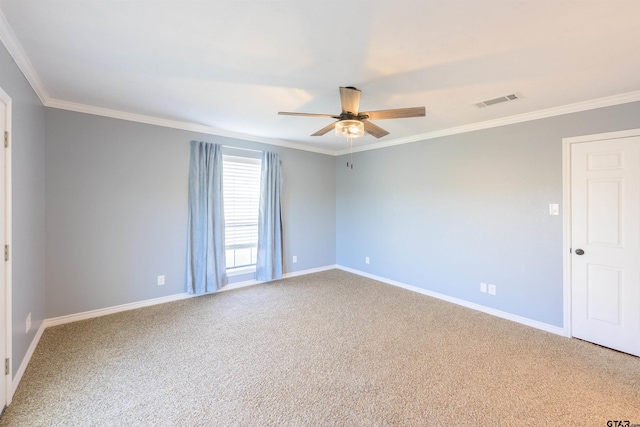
<point>605,243</point>
<point>4,115</point>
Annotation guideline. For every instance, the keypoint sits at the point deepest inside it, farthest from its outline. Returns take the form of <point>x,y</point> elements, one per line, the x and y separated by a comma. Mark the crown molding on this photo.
<point>8,38</point>
<point>607,101</point>
<point>519,118</point>
<point>10,41</point>
<point>176,124</point>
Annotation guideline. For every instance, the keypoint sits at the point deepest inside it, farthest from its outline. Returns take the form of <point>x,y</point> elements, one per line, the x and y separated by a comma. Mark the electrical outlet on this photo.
<point>161,280</point>
<point>295,259</point>
<point>366,260</point>
<point>492,289</point>
<point>483,287</point>
<point>28,323</point>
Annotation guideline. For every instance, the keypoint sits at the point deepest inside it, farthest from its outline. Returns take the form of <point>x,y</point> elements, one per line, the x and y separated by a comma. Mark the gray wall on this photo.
<point>117,208</point>
<point>28,204</point>
<point>448,213</point>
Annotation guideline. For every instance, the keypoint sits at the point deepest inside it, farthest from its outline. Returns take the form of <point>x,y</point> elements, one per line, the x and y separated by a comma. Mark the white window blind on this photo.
<point>241,187</point>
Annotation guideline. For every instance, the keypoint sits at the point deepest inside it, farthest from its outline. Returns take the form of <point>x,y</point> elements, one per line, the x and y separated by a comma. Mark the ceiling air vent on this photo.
<point>487,103</point>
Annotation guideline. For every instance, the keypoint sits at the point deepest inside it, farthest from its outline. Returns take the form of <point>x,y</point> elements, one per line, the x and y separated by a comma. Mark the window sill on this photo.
<point>242,270</point>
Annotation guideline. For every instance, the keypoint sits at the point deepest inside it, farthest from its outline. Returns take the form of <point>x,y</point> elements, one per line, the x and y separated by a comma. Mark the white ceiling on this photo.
<point>228,67</point>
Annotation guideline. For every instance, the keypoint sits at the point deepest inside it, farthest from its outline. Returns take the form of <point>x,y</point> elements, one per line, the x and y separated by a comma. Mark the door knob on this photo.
<point>579,252</point>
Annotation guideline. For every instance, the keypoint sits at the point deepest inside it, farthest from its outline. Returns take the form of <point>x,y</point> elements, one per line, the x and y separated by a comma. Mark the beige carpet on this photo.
<point>330,349</point>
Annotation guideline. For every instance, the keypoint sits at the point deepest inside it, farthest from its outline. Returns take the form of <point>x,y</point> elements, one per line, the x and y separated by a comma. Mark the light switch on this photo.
<point>554,209</point>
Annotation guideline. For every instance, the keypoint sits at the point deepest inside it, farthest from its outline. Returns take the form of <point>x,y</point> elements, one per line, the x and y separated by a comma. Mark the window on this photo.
<point>241,188</point>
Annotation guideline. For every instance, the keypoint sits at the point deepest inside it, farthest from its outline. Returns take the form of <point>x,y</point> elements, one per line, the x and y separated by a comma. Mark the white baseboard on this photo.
<point>55,321</point>
<point>309,271</point>
<point>61,320</point>
<point>232,286</point>
<point>25,361</point>
<point>498,313</point>
<point>284,276</point>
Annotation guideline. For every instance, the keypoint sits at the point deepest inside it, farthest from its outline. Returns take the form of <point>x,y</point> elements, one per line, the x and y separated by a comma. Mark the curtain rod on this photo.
<point>243,149</point>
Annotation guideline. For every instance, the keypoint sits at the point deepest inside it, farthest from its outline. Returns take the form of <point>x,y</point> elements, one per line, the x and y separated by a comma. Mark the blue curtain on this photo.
<point>206,265</point>
<point>269,260</point>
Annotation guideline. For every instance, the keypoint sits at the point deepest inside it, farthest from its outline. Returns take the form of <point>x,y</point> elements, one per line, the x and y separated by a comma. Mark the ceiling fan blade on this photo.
<point>350,99</point>
<point>284,113</point>
<point>398,113</point>
<point>374,130</point>
<point>325,129</point>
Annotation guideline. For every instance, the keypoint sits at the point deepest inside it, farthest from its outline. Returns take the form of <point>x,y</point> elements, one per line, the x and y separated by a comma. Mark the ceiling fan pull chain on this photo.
<point>349,159</point>
<point>350,151</point>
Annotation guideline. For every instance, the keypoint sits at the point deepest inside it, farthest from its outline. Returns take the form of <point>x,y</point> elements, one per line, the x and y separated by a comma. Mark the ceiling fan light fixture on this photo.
<point>350,128</point>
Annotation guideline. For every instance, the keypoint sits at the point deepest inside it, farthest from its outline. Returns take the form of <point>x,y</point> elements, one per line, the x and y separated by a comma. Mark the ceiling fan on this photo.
<point>353,123</point>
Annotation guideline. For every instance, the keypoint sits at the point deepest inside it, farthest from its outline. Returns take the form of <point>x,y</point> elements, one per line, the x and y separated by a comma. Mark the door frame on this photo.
<point>566,214</point>
<point>8,241</point>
